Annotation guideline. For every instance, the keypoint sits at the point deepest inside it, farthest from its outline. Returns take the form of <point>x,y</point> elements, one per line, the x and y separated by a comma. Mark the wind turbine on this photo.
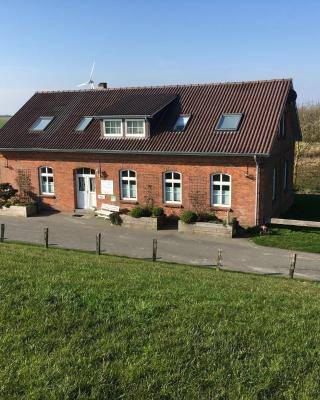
<point>90,82</point>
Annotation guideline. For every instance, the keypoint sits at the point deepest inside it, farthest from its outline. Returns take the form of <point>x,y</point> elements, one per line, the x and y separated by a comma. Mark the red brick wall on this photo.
<point>195,172</point>
<point>283,150</point>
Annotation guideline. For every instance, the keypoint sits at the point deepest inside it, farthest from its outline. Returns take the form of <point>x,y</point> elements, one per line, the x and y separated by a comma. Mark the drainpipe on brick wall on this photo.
<point>257,211</point>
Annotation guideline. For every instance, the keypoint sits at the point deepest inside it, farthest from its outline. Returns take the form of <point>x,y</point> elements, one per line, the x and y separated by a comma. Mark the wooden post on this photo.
<point>154,250</point>
<point>219,259</point>
<point>2,233</point>
<point>292,265</point>
<point>98,244</point>
<point>46,237</point>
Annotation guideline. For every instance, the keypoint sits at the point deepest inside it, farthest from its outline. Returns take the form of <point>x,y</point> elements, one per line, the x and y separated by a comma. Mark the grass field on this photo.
<point>77,326</point>
<point>3,120</point>
<point>305,207</point>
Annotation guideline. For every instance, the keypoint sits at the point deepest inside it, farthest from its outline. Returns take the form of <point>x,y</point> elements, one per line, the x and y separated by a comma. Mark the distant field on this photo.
<point>308,167</point>
<point>3,120</point>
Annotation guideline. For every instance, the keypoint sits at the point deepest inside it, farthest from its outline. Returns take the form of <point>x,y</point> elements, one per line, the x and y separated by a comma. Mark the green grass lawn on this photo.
<point>305,207</point>
<point>78,326</point>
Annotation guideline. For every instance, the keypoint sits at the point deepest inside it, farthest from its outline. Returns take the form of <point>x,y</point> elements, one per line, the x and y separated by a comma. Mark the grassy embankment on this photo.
<point>78,326</point>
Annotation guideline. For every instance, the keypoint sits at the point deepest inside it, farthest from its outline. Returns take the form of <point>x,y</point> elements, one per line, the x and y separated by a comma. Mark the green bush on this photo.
<point>147,211</point>
<point>157,211</point>
<point>136,212</point>
<point>115,218</point>
<point>188,217</point>
<point>206,217</point>
<point>6,191</point>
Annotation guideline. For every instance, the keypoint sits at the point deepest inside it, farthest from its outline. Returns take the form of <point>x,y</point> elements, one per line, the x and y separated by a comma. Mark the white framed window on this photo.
<point>229,122</point>
<point>285,175</point>
<point>46,180</point>
<point>274,184</point>
<point>221,190</point>
<point>41,124</point>
<point>112,127</point>
<point>83,124</point>
<point>128,184</point>
<point>135,127</point>
<point>172,187</point>
<point>181,123</point>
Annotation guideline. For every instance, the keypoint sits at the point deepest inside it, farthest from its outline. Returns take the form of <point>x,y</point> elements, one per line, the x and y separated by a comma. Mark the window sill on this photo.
<point>128,201</point>
<point>221,208</point>
<point>48,196</point>
<point>172,205</point>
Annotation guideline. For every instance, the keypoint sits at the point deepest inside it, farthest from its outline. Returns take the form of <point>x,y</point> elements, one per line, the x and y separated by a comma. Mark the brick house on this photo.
<point>222,147</point>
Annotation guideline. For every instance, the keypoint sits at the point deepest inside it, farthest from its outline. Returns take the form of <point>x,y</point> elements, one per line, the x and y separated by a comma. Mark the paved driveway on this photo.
<point>72,232</point>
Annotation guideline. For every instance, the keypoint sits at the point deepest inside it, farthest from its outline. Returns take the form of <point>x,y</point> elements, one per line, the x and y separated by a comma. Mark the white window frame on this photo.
<point>112,134</point>
<point>172,181</point>
<point>129,179</point>
<point>136,134</point>
<point>47,175</point>
<point>274,183</point>
<point>221,183</point>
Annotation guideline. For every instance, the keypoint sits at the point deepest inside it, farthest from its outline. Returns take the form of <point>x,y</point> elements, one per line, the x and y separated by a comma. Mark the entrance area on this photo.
<point>86,188</point>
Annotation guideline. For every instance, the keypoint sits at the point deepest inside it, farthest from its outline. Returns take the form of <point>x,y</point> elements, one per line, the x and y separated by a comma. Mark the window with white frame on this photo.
<point>46,180</point>
<point>285,176</point>
<point>221,190</point>
<point>274,184</point>
<point>172,187</point>
<point>113,127</point>
<point>128,185</point>
<point>135,127</point>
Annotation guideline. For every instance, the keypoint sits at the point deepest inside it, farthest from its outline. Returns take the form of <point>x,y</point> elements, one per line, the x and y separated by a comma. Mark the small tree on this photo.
<point>7,192</point>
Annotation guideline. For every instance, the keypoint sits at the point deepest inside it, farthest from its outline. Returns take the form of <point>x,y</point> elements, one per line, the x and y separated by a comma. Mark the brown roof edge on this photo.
<point>165,153</point>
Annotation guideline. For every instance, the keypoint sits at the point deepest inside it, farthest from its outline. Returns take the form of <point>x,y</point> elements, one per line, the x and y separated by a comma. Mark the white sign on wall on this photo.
<point>106,186</point>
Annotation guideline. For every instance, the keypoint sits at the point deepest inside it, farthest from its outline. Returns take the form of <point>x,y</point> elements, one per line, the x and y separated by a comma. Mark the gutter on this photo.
<point>165,153</point>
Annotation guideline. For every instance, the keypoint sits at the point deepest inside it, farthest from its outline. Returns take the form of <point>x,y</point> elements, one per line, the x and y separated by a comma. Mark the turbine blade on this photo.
<point>92,69</point>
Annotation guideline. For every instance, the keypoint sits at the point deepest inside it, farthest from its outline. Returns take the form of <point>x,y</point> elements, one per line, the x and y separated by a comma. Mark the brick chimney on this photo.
<point>102,85</point>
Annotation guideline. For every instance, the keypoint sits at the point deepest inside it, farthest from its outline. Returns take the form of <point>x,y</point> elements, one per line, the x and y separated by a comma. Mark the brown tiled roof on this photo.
<point>261,103</point>
<point>139,104</point>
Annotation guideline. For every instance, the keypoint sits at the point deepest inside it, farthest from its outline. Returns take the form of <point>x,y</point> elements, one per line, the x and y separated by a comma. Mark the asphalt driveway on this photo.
<point>72,232</point>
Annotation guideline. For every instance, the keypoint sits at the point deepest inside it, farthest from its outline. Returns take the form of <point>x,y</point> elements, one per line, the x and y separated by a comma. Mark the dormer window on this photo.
<point>229,122</point>
<point>181,123</point>
<point>135,127</point>
<point>41,124</point>
<point>83,124</point>
<point>113,127</point>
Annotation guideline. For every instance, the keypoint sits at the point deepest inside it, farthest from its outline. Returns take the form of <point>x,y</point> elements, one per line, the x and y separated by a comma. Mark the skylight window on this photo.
<point>41,123</point>
<point>181,123</point>
<point>83,124</point>
<point>229,122</point>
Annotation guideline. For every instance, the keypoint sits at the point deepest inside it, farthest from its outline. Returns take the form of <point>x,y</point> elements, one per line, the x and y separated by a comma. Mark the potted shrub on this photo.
<point>143,217</point>
<point>11,205</point>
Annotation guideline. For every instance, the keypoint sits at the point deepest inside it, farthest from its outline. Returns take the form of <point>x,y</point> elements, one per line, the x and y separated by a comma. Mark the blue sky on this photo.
<point>51,44</point>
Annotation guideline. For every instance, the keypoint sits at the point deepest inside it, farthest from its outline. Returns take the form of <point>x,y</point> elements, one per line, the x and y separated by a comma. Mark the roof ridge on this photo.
<point>166,86</point>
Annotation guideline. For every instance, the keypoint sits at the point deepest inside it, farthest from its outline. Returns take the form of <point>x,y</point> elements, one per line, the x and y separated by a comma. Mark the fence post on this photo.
<point>219,259</point>
<point>292,265</point>
<point>46,237</point>
<point>154,250</point>
<point>98,244</point>
<point>2,233</point>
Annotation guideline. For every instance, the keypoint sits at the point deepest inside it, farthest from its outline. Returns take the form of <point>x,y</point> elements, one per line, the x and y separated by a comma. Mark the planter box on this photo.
<point>149,223</point>
<point>206,228</point>
<point>19,211</point>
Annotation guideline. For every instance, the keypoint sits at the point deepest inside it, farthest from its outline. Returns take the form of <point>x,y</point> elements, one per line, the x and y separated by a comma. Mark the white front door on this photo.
<point>86,188</point>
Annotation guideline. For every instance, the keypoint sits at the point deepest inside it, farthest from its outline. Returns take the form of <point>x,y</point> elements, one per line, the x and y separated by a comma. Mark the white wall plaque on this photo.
<point>106,186</point>
<point>101,196</point>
